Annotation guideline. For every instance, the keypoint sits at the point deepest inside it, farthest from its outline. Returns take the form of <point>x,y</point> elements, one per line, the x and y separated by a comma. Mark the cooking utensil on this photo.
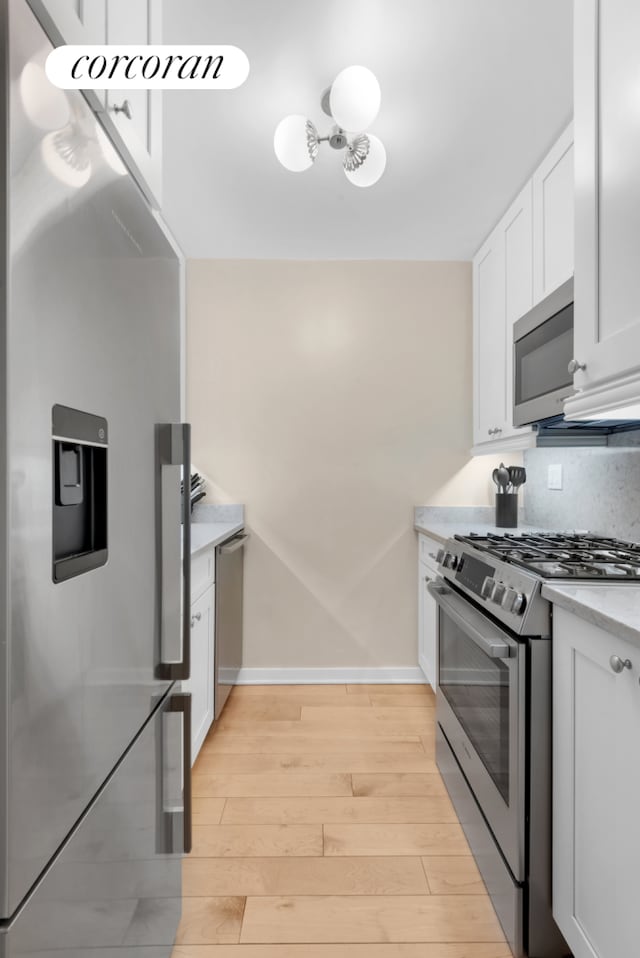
<point>494,476</point>
<point>517,476</point>
<point>504,479</point>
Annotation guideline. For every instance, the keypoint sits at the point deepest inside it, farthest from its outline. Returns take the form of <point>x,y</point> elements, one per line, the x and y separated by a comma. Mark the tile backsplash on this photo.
<point>600,488</point>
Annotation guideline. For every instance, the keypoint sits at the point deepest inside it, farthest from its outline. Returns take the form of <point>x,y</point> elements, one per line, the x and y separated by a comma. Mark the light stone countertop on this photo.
<point>446,530</point>
<point>205,534</point>
<point>443,522</point>
<point>615,607</point>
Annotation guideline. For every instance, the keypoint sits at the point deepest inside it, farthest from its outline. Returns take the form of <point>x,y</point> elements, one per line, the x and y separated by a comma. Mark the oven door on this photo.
<point>481,709</point>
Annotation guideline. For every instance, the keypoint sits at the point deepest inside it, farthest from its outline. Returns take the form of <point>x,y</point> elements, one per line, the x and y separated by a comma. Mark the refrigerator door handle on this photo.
<point>174,449</point>
<point>174,822</point>
<point>181,702</point>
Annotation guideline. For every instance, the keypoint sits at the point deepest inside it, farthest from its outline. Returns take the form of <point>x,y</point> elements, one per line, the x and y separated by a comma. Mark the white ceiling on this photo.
<point>473,94</point>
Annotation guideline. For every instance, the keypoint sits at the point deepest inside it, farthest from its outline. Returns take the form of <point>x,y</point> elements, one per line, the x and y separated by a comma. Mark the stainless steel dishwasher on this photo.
<point>228,634</point>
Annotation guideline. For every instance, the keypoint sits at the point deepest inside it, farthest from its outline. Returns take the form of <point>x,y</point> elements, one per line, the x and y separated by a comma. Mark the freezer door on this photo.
<point>90,326</point>
<point>114,885</point>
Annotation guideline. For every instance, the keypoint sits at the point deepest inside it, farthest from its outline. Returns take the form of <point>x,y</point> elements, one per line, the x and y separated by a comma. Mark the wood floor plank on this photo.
<point>411,688</point>
<point>304,876</point>
<point>416,722</point>
<point>370,918</point>
<point>371,950</point>
<point>379,810</point>
<point>207,811</point>
<point>374,763</point>
<point>210,920</point>
<point>394,839</point>
<point>238,744</point>
<point>263,709</point>
<point>257,841</point>
<point>398,783</point>
<point>292,782</point>
<point>398,700</point>
<point>253,703</point>
<point>378,714</point>
<point>287,691</point>
<point>450,875</point>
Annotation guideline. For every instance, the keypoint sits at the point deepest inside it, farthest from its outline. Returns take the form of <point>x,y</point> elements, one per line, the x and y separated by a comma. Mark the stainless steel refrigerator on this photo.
<point>94,729</point>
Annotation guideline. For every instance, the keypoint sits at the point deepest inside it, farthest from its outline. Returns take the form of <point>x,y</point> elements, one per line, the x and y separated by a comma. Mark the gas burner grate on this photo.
<point>561,555</point>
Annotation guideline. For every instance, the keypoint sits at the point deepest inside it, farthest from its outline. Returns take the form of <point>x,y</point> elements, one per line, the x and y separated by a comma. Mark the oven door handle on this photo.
<point>486,636</point>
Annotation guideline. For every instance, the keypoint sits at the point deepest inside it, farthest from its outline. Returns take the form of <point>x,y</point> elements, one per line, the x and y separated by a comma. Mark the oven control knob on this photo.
<point>497,593</point>
<point>508,599</point>
<point>440,556</point>
<point>519,604</point>
<point>487,587</point>
<point>450,561</point>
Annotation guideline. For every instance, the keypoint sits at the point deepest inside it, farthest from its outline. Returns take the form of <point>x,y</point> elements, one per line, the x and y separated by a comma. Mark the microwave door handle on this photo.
<point>492,642</point>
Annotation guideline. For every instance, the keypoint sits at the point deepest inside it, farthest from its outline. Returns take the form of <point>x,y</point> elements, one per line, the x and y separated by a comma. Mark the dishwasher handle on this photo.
<point>233,545</point>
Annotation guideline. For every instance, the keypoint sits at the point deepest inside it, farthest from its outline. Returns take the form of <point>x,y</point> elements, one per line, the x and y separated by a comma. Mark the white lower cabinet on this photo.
<point>427,609</point>
<point>596,789</point>
<point>201,682</point>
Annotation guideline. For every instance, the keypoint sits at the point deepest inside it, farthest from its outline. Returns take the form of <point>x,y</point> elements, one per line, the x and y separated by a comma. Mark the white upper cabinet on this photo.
<point>607,278</point>
<point>528,254</point>
<point>489,339</point>
<point>503,291</point>
<point>74,21</point>
<point>136,115</point>
<point>133,118</point>
<point>553,218</point>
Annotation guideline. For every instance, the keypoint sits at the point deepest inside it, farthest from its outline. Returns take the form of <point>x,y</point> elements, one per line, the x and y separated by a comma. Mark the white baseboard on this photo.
<point>391,676</point>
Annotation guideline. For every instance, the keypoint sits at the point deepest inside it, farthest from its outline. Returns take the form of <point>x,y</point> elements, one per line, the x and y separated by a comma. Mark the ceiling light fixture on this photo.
<point>352,101</point>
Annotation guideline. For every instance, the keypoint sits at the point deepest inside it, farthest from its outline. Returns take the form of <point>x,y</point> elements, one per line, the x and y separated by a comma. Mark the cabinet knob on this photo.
<point>619,665</point>
<point>195,618</point>
<point>575,365</point>
<point>494,432</point>
<point>125,107</point>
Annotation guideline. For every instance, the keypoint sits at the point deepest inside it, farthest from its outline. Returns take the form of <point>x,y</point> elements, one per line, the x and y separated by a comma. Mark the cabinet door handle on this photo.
<point>195,618</point>
<point>575,365</point>
<point>619,665</point>
<point>124,107</point>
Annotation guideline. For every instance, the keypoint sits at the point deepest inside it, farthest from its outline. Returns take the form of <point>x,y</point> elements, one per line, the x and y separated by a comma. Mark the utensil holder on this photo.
<point>507,510</point>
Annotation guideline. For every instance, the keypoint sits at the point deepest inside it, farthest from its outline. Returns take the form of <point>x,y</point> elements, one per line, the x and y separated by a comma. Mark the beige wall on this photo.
<point>330,398</point>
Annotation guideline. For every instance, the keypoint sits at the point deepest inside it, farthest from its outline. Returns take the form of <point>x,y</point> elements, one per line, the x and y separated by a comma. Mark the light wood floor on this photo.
<point>322,829</point>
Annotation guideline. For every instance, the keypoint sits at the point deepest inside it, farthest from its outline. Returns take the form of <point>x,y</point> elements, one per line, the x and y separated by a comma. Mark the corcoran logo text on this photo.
<point>159,66</point>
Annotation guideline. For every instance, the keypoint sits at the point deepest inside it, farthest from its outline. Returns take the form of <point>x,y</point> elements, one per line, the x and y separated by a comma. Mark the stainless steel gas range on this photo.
<point>494,708</point>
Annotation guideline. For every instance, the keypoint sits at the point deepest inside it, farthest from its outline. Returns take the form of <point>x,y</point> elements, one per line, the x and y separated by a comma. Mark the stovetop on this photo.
<point>563,556</point>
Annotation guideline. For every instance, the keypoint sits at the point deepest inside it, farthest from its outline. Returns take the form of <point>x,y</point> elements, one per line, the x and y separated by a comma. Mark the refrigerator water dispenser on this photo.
<point>80,444</point>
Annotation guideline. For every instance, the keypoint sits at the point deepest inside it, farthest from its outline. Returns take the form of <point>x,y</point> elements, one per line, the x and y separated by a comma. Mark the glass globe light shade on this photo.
<point>66,156</point>
<point>290,143</point>
<point>355,99</point>
<point>373,166</point>
<point>46,106</point>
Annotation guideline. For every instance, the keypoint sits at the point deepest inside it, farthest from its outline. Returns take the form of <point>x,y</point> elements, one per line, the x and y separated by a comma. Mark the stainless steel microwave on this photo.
<point>542,351</point>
